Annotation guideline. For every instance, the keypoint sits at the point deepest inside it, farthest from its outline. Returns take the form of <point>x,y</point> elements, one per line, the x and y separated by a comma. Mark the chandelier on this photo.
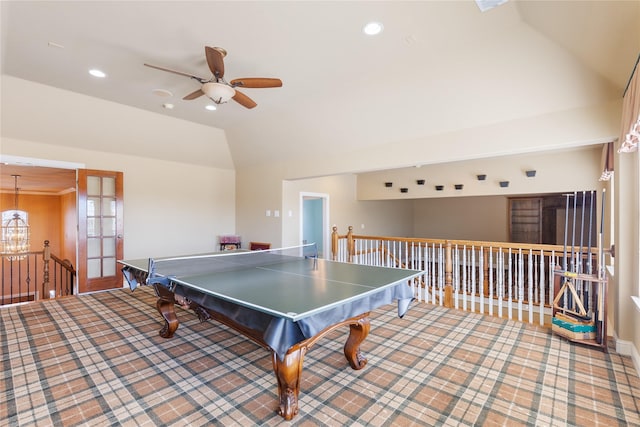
<point>15,231</point>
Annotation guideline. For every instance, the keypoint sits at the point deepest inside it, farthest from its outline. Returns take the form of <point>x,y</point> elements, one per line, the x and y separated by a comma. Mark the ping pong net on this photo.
<point>164,270</point>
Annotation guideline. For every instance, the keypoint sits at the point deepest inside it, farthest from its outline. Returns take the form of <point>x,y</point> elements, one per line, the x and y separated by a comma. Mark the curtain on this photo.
<point>631,114</point>
<point>607,162</point>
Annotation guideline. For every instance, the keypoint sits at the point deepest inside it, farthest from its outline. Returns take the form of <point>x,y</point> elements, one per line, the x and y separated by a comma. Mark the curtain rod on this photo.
<point>635,68</point>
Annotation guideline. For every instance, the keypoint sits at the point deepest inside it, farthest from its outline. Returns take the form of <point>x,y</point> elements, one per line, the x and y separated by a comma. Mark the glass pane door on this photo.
<point>100,223</point>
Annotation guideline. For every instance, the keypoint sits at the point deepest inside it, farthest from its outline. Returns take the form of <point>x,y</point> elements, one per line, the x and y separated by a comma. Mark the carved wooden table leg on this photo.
<point>288,373</point>
<point>358,333</point>
<point>166,307</point>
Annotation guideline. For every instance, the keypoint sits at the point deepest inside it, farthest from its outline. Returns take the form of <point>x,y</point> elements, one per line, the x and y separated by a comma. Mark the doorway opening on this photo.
<point>314,226</point>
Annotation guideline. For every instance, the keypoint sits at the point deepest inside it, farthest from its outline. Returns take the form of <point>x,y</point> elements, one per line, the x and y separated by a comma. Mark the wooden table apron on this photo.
<point>267,330</point>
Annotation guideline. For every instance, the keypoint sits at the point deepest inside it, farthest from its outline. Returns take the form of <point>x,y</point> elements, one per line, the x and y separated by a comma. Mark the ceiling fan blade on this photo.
<point>244,100</point>
<point>256,82</point>
<point>193,95</point>
<point>215,60</point>
<point>200,79</point>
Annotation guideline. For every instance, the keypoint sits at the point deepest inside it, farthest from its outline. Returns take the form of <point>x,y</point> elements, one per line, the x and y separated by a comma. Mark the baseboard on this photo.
<point>626,348</point>
<point>635,356</point>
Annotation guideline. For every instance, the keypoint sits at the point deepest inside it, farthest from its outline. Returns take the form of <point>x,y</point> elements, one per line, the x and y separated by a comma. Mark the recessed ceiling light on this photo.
<point>168,106</point>
<point>210,107</point>
<point>162,93</point>
<point>97,73</point>
<point>372,28</point>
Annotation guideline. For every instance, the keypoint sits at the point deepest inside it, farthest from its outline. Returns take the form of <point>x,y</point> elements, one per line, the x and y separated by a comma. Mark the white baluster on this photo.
<point>530,285</point>
<point>481,285</point>
<point>463,283</point>
<point>520,279</point>
<point>500,281</point>
<point>511,285</point>
<point>541,288</point>
<point>491,281</point>
<point>473,279</point>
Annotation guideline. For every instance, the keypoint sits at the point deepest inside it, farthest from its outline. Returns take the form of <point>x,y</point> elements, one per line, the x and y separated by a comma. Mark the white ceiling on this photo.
<point>437,67</point>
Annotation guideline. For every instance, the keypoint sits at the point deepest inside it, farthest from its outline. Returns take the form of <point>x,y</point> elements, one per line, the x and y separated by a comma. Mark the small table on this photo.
<point>284,303</point>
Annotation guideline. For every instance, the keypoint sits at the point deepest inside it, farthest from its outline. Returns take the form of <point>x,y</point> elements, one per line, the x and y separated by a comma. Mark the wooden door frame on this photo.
<point>109,282</point>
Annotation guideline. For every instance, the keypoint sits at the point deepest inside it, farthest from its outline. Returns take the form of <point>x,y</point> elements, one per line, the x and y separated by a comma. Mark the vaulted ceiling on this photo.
<point>437,67</point>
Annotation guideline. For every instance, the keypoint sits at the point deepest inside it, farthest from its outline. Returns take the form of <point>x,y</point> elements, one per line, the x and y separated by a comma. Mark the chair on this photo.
<point>259,246</point>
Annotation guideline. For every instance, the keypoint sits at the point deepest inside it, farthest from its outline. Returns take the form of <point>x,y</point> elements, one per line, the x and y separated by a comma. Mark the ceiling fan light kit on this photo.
<point>218,92</point>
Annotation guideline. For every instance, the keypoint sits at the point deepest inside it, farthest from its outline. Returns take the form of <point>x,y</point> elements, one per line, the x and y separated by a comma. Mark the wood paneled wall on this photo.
<point>51,217</point>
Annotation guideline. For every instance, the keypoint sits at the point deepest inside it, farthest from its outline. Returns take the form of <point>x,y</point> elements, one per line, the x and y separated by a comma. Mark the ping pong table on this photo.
<point>283,299</point>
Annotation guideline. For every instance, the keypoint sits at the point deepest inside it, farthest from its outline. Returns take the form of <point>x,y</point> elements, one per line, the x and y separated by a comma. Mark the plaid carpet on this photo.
<point>98,360</point>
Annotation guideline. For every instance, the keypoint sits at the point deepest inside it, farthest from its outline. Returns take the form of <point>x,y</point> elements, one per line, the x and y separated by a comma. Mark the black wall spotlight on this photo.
<point>458,186</point>
<point>481,177</point>
<point>504,184</point>
<point>388,184</point>
<point>420,181</point>
<point>531,173</point>
<point>404,190</point>
<point>439,187</point>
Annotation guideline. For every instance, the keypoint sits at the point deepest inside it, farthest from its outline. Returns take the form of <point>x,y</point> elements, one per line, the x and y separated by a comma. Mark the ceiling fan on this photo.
<point>217,88</point>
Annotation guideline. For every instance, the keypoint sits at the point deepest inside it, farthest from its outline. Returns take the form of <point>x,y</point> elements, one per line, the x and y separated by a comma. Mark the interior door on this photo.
<point>100,229</point>
<point>314,226</point>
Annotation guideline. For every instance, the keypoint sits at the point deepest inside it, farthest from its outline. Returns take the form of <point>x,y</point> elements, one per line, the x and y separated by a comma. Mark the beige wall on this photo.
<point>379,218</point>
<point>68,119</point>
<point>555,131</point>
<point>625,279</point>
<point>557,171</point>
<point>164,212</point>
<point>390,218</point>
<point>464,218</point>
<point>170,206</point>
<point>260,187</point>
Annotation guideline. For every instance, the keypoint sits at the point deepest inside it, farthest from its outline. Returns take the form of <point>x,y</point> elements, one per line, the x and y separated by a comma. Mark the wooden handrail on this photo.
<point>420,241</point>
<point>64,263</point>
<point>25,279</point>
<point>505,275</point>
<point>493,244</point>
